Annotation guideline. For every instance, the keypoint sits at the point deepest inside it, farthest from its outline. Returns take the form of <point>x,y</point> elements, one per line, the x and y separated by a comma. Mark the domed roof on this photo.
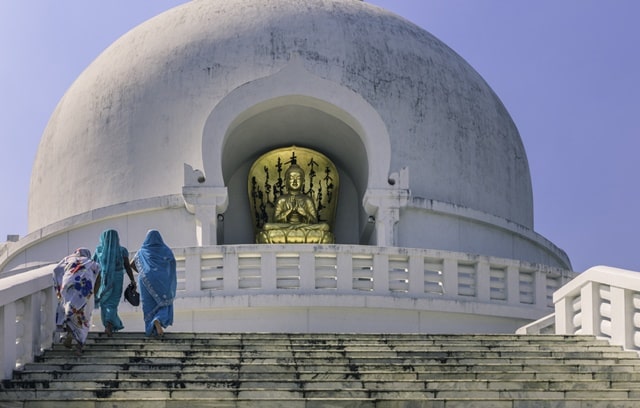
<point>140,111</point>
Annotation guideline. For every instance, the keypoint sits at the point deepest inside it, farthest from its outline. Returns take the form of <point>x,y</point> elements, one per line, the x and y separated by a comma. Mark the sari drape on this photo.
<point>74,281</point>
<point>110,255</point>
<point>157,281</point>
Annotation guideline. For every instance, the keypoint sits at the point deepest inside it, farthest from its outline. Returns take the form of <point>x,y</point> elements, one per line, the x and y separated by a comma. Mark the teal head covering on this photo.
<point>108,252</point>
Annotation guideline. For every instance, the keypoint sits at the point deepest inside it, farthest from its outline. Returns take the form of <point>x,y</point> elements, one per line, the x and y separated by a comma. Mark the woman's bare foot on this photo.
<point>159,331</point>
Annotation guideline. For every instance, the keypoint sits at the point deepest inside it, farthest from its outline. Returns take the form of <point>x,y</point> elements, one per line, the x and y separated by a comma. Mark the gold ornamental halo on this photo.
<point>266,182</point>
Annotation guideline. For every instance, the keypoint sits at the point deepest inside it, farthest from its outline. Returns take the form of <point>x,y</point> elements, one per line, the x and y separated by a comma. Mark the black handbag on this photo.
<point>131,295</point>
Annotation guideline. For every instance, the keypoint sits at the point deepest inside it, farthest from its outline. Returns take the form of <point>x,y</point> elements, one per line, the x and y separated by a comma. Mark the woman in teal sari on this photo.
<point>114,261</point>
<point>156,268</point>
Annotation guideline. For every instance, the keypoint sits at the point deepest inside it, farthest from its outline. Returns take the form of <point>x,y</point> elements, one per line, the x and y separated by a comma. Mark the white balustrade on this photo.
<point>27,317</point>
<point>602,301</point>
<point>231,270</point>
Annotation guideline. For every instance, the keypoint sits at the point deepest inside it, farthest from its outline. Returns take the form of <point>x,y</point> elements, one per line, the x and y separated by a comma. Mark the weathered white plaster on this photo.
<point>371,90</point>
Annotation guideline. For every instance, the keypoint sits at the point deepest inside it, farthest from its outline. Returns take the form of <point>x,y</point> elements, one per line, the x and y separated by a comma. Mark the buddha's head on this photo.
<point>294,178</point>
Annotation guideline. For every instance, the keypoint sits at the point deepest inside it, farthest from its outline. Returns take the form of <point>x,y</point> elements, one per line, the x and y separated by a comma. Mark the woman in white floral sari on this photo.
<point>75,279</point>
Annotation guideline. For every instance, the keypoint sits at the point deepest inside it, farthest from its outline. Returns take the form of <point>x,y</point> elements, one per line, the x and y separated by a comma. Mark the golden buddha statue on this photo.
<point>292,216</point>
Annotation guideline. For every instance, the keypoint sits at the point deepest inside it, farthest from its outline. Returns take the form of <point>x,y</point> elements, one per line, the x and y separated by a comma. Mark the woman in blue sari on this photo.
<point>156,268</point>
<point>114,261</point>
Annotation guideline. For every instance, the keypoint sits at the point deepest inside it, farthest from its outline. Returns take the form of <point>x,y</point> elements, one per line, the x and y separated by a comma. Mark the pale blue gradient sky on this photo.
<point>568,71</point>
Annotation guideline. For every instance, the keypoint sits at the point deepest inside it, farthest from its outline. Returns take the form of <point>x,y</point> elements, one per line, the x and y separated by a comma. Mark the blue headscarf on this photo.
<point>157,268</point>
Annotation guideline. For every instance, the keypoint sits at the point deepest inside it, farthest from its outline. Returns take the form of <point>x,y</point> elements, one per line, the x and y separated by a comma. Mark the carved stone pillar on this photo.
<point>385,204</point>
<point>205,202</point>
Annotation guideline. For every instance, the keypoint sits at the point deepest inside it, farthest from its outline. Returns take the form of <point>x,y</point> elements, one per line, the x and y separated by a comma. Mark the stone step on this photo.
<point>107,395</point>
<point>306,355</point>
<point>332,403</point>
<point>179,345</point>
<point>401,346</point>
<point>375,336</point>
<point>275,372</point>
<point>345,384</point>
<point>312,363</point>
<point>356,349</point>
<point>409,345</point>
<point>323,339</point>
<point>416,368</point>
<point>342,389</point>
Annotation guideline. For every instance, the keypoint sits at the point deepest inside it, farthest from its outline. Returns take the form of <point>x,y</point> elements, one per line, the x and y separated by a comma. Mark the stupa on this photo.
<point>432,224</point>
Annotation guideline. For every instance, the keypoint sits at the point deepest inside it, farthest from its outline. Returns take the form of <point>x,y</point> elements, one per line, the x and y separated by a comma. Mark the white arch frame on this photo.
<point>305,89</point>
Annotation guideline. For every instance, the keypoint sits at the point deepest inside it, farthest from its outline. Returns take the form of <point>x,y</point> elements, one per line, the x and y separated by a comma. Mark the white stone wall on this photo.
<point>131,220</point>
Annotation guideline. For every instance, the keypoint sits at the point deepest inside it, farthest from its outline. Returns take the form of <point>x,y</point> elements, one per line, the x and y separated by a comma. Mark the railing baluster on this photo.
<point>380,273</point>
<point>268,271</point>
<point>8,356</point>
<point>307,271</point>
<point>483,281</point>
<point>230,272</point>
<point>416,275</point>
<point>345,272</point>
<point>622,312</point>
<point>192,272</point>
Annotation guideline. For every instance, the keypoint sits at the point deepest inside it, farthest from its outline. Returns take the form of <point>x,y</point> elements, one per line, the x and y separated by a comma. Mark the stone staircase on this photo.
<point>330,370</point>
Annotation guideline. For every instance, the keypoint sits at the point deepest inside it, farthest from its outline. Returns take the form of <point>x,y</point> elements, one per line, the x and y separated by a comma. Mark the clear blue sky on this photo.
<point>568,71</point>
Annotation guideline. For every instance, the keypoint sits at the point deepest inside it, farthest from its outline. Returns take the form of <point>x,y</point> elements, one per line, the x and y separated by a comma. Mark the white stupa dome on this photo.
<point>215,83</point>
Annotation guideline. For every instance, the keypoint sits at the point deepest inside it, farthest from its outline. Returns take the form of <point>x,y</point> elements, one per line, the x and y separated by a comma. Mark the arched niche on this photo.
<point>294,107</point>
